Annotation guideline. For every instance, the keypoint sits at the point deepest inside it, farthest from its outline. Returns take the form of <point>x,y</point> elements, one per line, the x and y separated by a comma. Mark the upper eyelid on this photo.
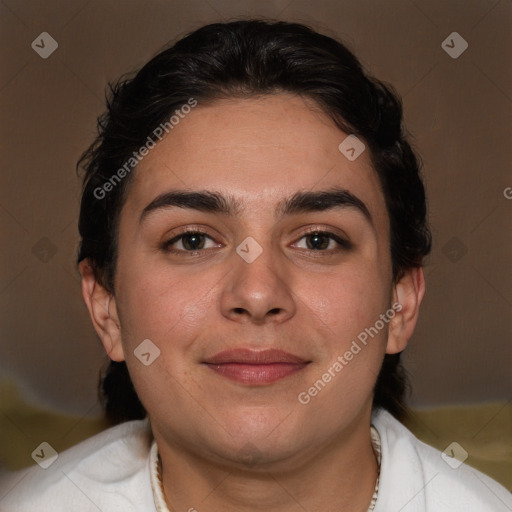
<point>310,231</point>
<point>189,230</point>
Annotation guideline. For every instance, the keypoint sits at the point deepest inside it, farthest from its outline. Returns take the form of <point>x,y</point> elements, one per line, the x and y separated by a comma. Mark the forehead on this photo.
<point>259,150</point>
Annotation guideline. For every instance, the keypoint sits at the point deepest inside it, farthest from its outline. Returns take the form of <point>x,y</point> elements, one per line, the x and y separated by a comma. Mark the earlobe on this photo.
<point>103,312</point>
<point>408,292</point>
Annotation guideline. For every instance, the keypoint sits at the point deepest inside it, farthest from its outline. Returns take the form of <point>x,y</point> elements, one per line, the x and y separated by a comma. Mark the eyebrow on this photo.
<point>300,202</point>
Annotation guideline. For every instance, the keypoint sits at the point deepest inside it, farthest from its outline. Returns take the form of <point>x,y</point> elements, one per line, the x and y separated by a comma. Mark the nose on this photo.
<point>258,291</point>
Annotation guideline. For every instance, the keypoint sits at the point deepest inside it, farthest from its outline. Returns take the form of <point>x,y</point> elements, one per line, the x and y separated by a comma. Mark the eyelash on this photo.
<point>344,244</point>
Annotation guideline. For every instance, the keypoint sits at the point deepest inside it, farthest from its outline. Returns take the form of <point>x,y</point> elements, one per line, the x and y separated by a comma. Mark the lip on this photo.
<point>255,367</point>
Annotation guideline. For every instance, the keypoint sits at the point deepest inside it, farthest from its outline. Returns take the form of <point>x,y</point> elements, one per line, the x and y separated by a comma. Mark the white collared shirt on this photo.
<point>111,472</point>
<point>158,489</point>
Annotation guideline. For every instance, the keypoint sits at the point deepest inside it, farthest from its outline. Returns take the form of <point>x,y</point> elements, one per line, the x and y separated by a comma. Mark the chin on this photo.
<point>263,454</point>
<point>257,437</point>
<point>258,422</point>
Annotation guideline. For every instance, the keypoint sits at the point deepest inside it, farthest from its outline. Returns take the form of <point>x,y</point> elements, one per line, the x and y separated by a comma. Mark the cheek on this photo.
<point>353,340</point>
<point>348,301</point>
<point>163,305</point>
<point>345,308</point>
<point>168,308</point>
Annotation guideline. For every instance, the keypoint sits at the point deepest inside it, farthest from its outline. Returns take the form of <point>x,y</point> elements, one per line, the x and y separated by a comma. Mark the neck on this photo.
<point>340,476</point>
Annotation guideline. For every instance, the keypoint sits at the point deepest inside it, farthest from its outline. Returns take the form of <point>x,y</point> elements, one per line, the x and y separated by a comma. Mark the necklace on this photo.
<point>158,488</point>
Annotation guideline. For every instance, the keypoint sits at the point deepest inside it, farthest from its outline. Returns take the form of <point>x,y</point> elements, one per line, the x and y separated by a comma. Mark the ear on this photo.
<point>408,293</point>
<point>102,308</point>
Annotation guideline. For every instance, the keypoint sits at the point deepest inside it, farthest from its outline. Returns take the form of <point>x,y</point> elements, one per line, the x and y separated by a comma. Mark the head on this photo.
<point>255,114</point>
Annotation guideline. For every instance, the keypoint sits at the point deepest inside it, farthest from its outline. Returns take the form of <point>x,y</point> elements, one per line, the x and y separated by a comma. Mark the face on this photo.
<point>255,293</point>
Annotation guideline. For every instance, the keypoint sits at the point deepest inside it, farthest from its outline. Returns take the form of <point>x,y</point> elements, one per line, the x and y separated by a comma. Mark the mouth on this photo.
<point>256,367</point>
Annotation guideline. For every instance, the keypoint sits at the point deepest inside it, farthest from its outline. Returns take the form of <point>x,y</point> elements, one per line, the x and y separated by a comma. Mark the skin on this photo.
<point>225,445</point>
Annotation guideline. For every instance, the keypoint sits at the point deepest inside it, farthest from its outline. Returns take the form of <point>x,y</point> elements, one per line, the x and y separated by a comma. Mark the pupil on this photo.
<point>313,241</point>
<point>193,242</point>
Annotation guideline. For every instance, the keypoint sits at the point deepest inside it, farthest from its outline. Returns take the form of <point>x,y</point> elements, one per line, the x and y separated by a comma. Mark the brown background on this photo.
<point>458,110</point>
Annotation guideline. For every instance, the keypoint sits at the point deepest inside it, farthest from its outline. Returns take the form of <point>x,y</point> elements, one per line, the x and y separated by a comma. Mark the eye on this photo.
<point>189,241</point>
<point>324,241</point>
<point>193,241</point>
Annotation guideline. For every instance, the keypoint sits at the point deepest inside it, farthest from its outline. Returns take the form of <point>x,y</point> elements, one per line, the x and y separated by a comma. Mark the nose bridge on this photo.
<point>257,287</point>
<point>259,263</point>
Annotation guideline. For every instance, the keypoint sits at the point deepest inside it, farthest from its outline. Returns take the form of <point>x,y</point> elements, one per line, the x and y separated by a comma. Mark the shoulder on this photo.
<point>416,477</point>
<point>108,472</point>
